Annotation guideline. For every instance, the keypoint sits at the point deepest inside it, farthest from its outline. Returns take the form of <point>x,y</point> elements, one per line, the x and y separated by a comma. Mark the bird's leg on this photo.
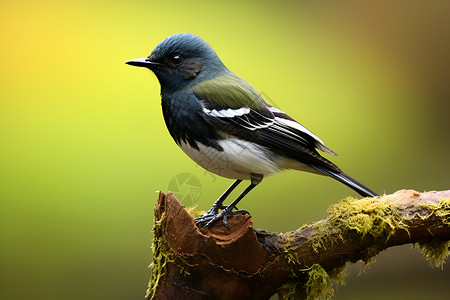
<point>219,202</point>
<point>228,210</point>
<point>214,210</point>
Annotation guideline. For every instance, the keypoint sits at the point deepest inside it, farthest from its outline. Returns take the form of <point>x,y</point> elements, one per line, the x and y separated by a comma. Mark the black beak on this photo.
<point>143,62</point>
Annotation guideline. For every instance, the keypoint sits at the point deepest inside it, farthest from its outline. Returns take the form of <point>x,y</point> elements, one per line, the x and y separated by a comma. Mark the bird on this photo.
<point>223,124</point>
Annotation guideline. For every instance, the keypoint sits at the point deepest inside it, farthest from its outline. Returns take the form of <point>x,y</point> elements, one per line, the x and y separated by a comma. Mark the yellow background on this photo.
<point>83,145</point>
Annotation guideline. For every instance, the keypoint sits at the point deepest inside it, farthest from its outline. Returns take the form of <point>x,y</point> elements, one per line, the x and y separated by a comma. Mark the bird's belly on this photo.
<point>238,160</point>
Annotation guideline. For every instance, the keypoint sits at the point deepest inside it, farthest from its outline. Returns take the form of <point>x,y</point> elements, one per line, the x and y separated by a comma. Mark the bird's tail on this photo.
<point>348,181</point>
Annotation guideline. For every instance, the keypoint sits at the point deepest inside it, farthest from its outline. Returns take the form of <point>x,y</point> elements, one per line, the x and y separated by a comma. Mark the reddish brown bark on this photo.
<point>243,263</point>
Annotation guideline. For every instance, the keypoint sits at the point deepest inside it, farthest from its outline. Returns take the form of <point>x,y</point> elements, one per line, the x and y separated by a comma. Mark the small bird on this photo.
<point>224,125</point>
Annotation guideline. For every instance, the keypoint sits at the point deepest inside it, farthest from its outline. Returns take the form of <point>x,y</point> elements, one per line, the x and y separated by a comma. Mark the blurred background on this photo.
<point>83,144</point>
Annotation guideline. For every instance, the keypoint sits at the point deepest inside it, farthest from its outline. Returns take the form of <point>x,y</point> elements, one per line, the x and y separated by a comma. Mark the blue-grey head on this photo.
<point>181,61</point>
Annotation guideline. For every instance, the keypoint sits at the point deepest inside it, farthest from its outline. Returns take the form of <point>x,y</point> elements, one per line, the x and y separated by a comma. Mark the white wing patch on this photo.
<point>297,126</point>
<point>227,113</point>
<point>275,110</point>
<point>244,117</point>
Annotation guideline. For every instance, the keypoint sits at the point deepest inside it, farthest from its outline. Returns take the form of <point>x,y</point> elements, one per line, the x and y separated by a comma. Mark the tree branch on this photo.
<point>243,263</point>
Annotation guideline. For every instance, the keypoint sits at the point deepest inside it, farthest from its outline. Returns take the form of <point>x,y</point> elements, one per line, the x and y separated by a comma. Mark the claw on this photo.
<point>241,211</point>
<point>211,216</point>
<point>213,219</point>
<point>205,218</point>
<point>225,221</point>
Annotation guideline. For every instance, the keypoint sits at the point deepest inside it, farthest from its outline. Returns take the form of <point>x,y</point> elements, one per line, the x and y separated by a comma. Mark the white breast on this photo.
<point>238,160</point>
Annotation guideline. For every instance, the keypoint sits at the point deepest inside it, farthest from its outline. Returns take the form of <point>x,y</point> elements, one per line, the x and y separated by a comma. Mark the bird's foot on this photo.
<point>213,215</point>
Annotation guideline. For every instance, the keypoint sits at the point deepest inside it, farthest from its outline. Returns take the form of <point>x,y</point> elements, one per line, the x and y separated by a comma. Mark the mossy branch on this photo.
<point>244,263</point>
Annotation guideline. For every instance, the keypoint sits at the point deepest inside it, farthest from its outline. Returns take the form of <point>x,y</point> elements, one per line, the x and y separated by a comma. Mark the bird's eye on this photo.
<point>176,60</point>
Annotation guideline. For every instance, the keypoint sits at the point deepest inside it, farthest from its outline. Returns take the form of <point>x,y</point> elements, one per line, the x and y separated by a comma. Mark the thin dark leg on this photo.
<point>218,204</point>
<point>242,195</point>
<point>229,209</point>
<point>214,210</point>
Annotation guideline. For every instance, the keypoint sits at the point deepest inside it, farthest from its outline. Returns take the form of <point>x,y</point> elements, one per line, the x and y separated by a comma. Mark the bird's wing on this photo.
<point>296,128</point>
<point>239,121</point>
<point>269,127</point>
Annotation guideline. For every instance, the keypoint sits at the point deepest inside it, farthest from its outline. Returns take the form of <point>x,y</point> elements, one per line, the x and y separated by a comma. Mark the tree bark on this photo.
<point>244,263</point>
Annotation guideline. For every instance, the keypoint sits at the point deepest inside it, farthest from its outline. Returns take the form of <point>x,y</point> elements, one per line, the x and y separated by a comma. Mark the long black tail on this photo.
<point>348,181</point>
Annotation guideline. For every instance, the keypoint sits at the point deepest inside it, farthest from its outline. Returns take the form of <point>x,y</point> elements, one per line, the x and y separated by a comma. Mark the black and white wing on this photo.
<point>275,130</point>
<point>271,128</point>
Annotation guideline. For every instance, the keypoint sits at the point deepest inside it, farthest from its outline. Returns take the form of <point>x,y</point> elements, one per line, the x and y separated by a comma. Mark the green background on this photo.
<point>83,145</point>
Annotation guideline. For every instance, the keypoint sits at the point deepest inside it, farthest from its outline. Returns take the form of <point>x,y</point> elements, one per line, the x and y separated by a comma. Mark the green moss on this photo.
<point>358,219</point>
<point>184,271</point>
<point>314,282</point>
<point>288,290</point>
<point>319,283</point>
<point>436,251</point>
<point>441,210</point>
<point>162,255</point>
<point>364,217</point>
<point>289,251</point>
<point>195,214</point>
<point>303,226</point>
<point>338,274</point>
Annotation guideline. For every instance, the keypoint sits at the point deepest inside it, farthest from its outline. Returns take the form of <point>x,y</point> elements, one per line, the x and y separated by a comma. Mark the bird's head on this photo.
<point>181,61</point>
